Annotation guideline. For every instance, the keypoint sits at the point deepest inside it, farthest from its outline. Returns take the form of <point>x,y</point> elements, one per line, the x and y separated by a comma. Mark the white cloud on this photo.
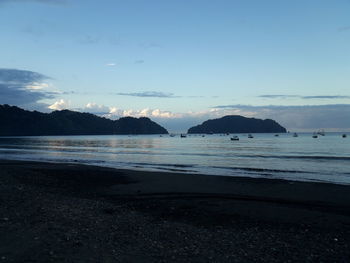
<point>37,86</point>
<point>294,118</point>
<point>163,114</point>
<point>175,121</point>
<point>60,105</point>
<point>115,112</point>
<point>298,118</point>
<point>95,108</point>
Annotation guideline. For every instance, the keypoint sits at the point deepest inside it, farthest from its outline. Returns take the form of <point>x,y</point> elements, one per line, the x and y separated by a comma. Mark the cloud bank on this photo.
<point>274,96</point>
<point>305,117</point>
<point>60,105</point>
<point>28,89</point>
<point>149,94</point>
<point>24,88</point>
<point>331,117</point>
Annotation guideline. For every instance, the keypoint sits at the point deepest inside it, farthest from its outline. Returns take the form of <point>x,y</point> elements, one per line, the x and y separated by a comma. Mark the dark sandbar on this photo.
<point>76,213</point>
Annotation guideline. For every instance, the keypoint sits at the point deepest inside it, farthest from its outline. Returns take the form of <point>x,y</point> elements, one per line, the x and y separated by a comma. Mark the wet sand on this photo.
<point>77,213</point>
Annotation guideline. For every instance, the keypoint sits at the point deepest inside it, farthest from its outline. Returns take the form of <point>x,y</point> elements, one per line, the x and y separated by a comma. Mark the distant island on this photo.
<point>238,124</point>
<point>15,121</point>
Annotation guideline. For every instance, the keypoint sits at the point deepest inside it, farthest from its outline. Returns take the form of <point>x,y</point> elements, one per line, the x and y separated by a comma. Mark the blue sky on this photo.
<point>180,62</point>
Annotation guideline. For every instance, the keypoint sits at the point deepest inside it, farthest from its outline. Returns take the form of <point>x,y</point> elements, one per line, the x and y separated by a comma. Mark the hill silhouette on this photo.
<point>238,124</point>
<point>15,121</point>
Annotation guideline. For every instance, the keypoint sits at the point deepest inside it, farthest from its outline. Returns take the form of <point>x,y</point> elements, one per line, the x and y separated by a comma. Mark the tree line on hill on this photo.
<point>15,121</point>
<point>238,124</point>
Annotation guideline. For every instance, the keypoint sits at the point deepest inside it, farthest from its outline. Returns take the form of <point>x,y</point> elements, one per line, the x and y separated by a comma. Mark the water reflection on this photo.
<point>210,154</point>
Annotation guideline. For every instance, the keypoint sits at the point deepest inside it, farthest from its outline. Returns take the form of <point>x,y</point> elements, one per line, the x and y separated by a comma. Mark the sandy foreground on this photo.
<point>77,213</point>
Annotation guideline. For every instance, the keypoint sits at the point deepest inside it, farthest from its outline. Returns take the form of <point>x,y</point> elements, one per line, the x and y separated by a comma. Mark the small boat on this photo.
<point>321,132</point>
<point>183,135</point>
<point>250,136</point>
<point>235,138</point>
<point>295,134</point>
<point>276,135</point>
<point>172,135</point>
<point>344,135</point>
<point>315,135</point>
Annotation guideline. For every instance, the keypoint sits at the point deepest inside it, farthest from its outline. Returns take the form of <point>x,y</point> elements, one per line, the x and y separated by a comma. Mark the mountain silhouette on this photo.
<point>238,124</point>
<point>15,121</point>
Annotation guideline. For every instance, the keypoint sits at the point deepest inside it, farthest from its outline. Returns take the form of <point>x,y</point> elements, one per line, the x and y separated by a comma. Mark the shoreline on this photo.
<point>83,213</point>
<point>179,169</point>
<point>151,182</point>
<point>326,192</point>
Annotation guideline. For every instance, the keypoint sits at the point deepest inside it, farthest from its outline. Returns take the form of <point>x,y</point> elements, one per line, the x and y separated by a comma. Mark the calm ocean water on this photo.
<point>303,158</point>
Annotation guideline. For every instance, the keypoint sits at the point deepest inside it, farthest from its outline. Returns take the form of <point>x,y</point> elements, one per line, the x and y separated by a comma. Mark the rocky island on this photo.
<point>238,124</point>
<point>15,121</point>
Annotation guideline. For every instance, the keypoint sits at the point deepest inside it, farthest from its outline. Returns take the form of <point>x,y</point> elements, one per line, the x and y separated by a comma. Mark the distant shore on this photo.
<point>77,213</point>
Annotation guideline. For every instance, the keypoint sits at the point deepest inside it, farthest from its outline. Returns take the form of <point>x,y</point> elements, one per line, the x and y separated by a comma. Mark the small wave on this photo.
<point>261,170</point>
<point>340,158</point>
<point>165,165</point>
<point>175,170</point>
<point>310,157</point>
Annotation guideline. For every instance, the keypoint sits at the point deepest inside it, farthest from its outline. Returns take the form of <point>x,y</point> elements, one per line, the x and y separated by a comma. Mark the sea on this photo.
<point>302,158</point>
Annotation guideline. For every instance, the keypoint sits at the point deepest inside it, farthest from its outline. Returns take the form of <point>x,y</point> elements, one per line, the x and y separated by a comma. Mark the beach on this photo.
<point>68,212</point>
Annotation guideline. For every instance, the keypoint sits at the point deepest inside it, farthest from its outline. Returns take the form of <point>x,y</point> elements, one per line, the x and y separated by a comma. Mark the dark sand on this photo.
<point>77,213</point>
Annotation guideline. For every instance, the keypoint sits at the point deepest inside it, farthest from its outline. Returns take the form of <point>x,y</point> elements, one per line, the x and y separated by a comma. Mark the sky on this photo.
<point>180,62</point>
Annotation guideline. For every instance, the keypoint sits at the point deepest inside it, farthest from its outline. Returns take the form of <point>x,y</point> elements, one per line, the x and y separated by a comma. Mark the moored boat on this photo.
<point>321,132</point>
